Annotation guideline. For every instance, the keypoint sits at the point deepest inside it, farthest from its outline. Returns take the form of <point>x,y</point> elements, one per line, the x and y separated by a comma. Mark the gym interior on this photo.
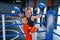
<point>11,27</point>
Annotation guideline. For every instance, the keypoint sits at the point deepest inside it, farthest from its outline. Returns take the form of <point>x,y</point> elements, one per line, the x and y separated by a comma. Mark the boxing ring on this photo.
<point>17,34</point>
<point>14,31</point>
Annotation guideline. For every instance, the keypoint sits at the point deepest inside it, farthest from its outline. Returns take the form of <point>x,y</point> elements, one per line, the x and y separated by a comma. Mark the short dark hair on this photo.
<point>23,16</point>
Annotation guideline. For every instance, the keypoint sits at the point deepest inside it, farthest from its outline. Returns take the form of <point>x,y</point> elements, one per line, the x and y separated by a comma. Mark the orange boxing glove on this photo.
<point>33,29</point>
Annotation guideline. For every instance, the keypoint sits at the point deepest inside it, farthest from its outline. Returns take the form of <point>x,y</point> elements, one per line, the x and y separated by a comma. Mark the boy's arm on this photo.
<point>35,17</point>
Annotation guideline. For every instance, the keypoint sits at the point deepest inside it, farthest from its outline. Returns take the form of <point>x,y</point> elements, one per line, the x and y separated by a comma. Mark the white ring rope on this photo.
<point>13,31</point>
<point>20,26</point>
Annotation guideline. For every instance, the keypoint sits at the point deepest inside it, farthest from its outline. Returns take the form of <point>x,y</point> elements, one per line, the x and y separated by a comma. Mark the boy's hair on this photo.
<point>28,8</point>
<point>24,17</point>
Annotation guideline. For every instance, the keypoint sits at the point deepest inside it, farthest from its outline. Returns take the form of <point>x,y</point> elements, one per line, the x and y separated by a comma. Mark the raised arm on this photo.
<point>20,15</point>
<point>38,16</point>
<point>41,6</point>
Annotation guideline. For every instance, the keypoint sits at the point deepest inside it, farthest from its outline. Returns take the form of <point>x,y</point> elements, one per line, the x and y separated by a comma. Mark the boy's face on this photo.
<point>28,13</point>
<point>24,20</point>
